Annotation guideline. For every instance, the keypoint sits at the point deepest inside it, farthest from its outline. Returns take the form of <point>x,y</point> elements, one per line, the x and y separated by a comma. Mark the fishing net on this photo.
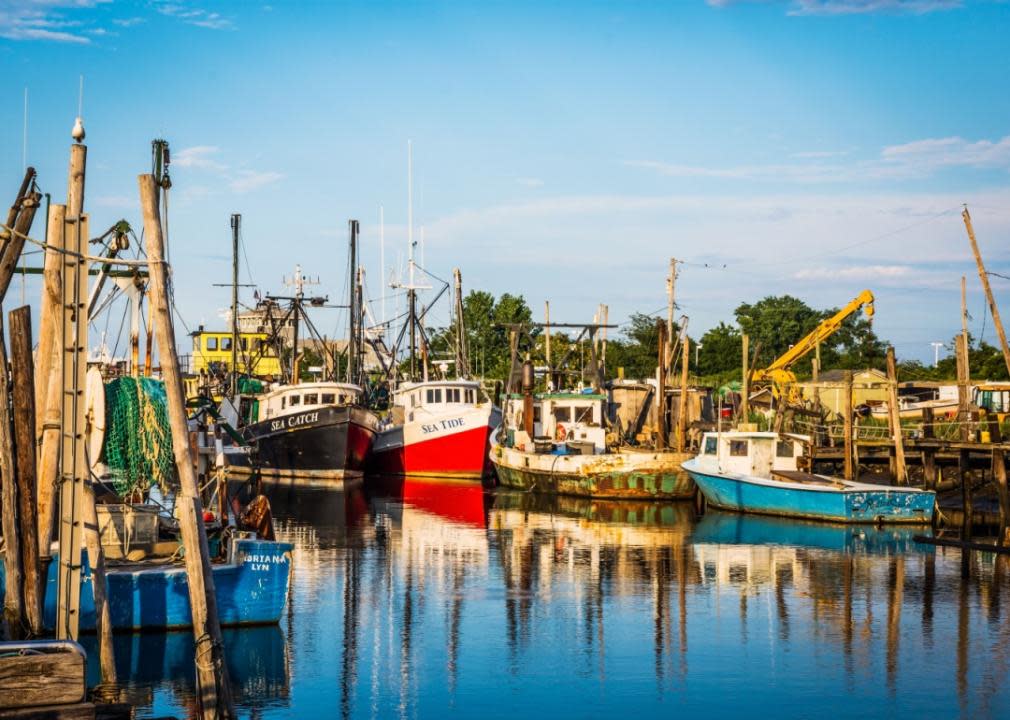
<point>138,441</point>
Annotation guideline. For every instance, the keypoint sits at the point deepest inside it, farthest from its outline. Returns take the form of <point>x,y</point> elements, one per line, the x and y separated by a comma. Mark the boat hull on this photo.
<point>251,590</point>
<point>451,446</point>
<point>315,446</point>
<point>862,505</point>
<point>621,475</point>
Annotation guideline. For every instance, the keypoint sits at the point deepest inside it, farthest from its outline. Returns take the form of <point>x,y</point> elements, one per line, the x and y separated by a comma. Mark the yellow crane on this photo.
<point>779,374</point>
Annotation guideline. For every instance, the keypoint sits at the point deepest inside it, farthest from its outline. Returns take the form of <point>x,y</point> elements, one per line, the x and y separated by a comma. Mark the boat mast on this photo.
<point>462,361</point>
<point>295,310</point>
<point>352,343</point>
<point>236,221</point>
<point>411,295</point>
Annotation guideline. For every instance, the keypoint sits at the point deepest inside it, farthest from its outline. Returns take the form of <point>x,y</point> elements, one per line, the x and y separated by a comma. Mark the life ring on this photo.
<point>559,433</point>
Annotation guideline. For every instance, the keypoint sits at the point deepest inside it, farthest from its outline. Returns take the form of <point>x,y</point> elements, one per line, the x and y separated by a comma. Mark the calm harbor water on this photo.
<point>422,600</point>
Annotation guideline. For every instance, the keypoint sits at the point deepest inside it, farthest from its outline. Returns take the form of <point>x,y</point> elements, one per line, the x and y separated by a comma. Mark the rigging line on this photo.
<point>119,333</point>
<point>996,274</point>
<point>245,255</point>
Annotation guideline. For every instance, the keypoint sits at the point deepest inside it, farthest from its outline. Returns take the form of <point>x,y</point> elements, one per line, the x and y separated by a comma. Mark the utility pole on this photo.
<point>547,344</point>
<point>671,286</point>
<point>984,277</point>
<point>236,222</point>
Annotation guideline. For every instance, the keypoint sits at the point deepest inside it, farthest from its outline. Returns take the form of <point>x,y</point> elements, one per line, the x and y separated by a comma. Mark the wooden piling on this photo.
<point>96,559</point>
<point>23,390</point>
<point>964,477</point>
<point>12,249</point>
<point>929,475</point>
<point>847,425</point>
<point>13,606</point>
<point>682,405</point>
<point>661,387</point>
<point>963,367</point>
<point>49,402</point>
<point>745,394</point>
<point>214,690</point>
<point>894,415</point>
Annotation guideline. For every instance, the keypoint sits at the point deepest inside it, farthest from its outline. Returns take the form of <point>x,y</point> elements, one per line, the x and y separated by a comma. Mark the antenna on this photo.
<point>24,141</point>
<point>410,208</point>
<point>382,258</point>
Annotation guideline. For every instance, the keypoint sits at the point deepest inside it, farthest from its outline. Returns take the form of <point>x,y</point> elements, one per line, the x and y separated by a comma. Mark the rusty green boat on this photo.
<point>625,473</point>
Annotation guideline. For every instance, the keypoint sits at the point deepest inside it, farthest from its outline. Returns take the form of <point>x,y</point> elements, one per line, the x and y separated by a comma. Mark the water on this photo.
<point>433,600</point>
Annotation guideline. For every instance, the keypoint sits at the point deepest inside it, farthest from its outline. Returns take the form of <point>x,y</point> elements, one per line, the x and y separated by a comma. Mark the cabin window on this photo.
<point>343,399</point>
<point>784,448</point>
<point>212,343</point>
<point>738,448</point>
<point>295,399</point>
<point>329,398</point>
<point>452,395</point>
<point>434,396</point>
<point>536,413</point>
<point>312,398</point>
<point>226,343</point>
<point>284,401</point>
<point>562,414</point>
<point>584,414</point>
<point>469,395</point>
<point>711,444</point>
<point>413,399</point>
<point>244,344</point>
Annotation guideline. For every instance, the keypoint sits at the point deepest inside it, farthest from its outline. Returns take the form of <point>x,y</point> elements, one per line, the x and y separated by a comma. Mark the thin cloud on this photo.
<point>853,272</point>
<point>45,20</point>
<point>530,182</point>
<point>850,7</point>
<point>198,156</point>
<point>197,17</point>
<point>913,160</point>
<point>128,22</point>
<point>248,180</point>
<point>239,180</point>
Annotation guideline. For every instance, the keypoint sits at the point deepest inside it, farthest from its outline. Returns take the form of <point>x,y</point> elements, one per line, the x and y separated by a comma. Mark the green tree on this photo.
<point>721,350</point>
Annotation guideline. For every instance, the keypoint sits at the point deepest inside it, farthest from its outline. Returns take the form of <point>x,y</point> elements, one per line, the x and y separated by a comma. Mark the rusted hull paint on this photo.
<point>605,477</point>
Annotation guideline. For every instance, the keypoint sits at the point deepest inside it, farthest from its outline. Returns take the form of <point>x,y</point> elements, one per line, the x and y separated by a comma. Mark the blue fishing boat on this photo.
<point>251,588</point>
<point>758,472</point>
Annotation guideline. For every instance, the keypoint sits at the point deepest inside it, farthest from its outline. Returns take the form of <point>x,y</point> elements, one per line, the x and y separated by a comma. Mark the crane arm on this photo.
<point>820,333</point>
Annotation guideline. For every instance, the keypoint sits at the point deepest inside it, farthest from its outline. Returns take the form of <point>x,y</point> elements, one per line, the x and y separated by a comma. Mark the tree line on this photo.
<point>772,324</point>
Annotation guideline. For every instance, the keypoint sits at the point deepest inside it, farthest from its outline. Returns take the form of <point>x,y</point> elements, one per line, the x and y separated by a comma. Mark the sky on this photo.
<point>564,151</point>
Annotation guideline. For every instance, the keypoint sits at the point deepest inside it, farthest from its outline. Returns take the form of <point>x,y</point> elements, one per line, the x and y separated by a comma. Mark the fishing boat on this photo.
<point>759,472</point>
<point>310,433</point>
<point>438,428</point>
<point>251,587</point>
<point>559,442</point>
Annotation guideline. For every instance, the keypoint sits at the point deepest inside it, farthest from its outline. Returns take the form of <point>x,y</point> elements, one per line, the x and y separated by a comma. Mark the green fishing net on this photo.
<point>138,440</point>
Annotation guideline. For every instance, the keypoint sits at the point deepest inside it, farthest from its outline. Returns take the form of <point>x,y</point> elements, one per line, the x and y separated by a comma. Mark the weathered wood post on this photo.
<point>964,474</point>
<point>929,476</point>
<point>745,386</point>
<point>13,606</point>
<point>12,248</point>
<point>49,399</point>
<point>1000,476</point>
<point>963,367</point>
<point>894,415</point>
<point>214,689</point>
<point>682,405</point>
<point>23,384</point>
<point>661,387</point>
<point>96,558</point>
<point>847,425</point>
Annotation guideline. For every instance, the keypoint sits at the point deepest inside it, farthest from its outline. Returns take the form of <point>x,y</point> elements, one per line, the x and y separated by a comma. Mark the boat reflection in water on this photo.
<point>422,599</point>
<point>157,668</point>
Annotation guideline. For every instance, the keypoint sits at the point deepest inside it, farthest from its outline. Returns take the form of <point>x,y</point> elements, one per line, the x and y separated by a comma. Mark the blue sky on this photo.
<point>562,150</point>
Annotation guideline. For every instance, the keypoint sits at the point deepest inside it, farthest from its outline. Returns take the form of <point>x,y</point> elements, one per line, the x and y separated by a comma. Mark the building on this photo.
<point>869,387</point>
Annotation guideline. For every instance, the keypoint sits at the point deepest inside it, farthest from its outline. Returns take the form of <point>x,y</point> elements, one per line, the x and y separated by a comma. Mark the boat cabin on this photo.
<point>416,400</point>
<point>750,453</point>
<point>562,417</point>
<point>307,396</point>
